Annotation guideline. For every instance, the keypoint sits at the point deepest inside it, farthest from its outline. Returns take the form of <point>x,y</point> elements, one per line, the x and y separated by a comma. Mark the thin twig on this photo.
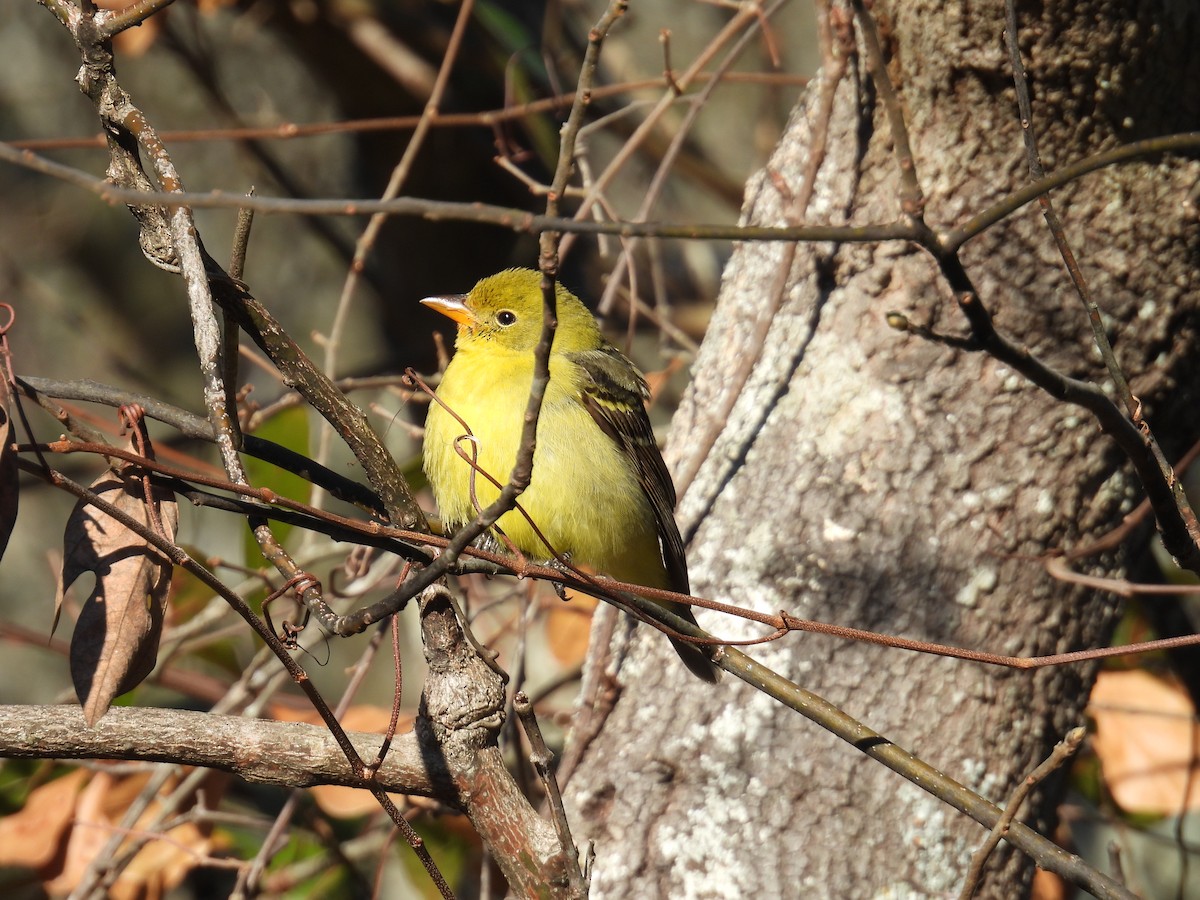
<point>370,234</point>
<point>241,239</point>
<point>912,198</point>
<point>1062,751</point>
<point>133,15</point>
<point>192,426</point>
<point>517,220</point>
<point>542,759</point>
<point>1177,521</point>
<point>516,671</point>
<point>1133,406</point>
<point>548,260</point>
<point>248,879</point>
<point>679,139</point>
<point>229,354</point>
<point>285,131</point>
<point>1036,173</point>
<point>1117,536</point>
<point>746,15</point>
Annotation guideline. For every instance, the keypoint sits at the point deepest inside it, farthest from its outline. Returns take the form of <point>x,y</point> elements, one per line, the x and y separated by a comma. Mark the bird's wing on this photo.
<point>615,394</point>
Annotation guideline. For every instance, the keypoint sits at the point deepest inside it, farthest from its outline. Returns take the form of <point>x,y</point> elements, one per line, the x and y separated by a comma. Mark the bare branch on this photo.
<point>288,754</point>
<point>1062,752</point>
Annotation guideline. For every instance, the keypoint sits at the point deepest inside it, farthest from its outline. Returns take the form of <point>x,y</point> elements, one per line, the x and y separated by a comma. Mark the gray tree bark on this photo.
<point>851,473</point>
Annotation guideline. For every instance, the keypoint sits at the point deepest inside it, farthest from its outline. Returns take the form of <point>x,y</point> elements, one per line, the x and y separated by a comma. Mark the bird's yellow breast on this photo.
<point>584,493</point>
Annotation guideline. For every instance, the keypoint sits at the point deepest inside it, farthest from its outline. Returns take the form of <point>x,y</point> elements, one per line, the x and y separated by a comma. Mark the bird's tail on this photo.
<point>694,656</point>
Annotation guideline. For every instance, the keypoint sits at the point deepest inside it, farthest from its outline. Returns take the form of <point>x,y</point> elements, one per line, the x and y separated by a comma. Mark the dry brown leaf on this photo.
<point>349,803</point>
<point>87,837</point>
<point>158,867</point>
<point>115,644</point>
<point>1147,742</point>
<point>656,381</point>
<point>1047,886</point>
<point>363,717</point>
<point>162,864</point>
<point>569,628</point>
<point>9,493</point>
<point>34,836</point>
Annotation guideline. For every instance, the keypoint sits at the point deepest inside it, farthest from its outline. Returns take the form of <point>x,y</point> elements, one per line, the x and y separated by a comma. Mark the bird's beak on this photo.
<point>454,306</point>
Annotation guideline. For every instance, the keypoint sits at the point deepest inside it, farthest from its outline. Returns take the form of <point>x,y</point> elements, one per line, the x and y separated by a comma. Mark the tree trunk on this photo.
<point>852,473</point>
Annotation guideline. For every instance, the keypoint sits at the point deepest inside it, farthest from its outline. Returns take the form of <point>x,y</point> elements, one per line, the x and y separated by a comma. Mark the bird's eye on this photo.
<point>506,317</point>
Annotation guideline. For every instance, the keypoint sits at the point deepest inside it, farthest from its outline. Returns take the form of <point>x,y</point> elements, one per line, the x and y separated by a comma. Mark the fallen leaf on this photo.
<point>569,628</point>
<point>163,863</point>
<point>1147,741</point>
<point>1047,886</point>
<point>159,866</point>
<point>90,831</point>
<point>34,836</point>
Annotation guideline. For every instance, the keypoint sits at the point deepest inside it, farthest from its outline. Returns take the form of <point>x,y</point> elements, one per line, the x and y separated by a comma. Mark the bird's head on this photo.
<point>506,309</point>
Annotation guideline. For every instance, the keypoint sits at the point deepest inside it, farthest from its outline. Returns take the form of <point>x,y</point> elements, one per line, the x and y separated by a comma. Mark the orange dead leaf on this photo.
<point>94,812</point>
<point>136,41</point>
<point>569,627</point>
<point>163,863</point>
<point>34,836</point>
<point>1047,886</point>
<point>364,717</point>
<point>1147,741</point>
<point>656,381</point>
<point>86,838</point>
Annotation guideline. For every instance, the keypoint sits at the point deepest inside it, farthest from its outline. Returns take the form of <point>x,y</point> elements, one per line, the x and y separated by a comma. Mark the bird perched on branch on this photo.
<point>599,491</point>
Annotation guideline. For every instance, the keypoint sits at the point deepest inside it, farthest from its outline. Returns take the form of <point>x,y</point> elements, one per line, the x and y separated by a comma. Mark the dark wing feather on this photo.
<point>615,395</point>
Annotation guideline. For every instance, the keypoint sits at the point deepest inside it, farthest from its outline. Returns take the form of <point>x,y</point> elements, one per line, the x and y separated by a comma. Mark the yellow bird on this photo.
<point>599,492</point>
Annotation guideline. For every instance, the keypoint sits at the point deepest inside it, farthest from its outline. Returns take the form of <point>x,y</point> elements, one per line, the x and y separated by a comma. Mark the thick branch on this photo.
<point>288,754</point>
